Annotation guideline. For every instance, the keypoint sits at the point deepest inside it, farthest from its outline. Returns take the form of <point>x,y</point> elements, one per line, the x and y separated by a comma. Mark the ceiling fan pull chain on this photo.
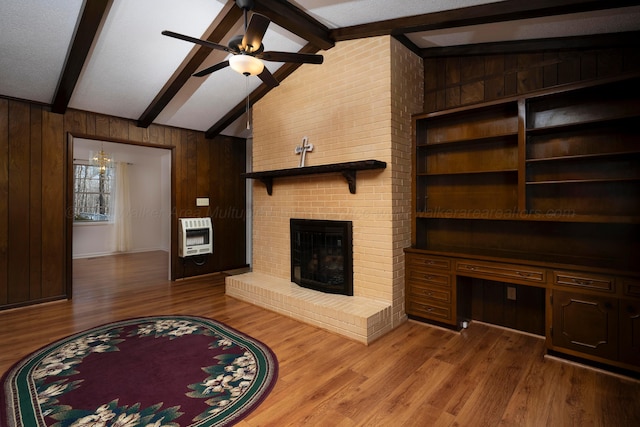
<point>246,85</point>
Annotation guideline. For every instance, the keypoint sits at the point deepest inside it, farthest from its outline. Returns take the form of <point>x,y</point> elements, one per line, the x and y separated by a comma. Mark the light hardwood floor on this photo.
<point>417,375</point>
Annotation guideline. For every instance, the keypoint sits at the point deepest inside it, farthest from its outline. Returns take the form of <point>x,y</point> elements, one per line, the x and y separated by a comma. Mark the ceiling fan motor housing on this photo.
<point>245,4</point>
<point>236,44</point>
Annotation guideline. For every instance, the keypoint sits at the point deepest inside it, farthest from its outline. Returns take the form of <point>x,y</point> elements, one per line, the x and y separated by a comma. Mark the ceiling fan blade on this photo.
<point>205,43</point>
<point>298,58</point>
<point>211,69</point>
<point>252,39</point>
<point>268,78</point>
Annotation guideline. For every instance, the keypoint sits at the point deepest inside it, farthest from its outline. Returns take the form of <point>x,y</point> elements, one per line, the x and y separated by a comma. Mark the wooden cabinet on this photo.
<point>541,190</point>
<point>597,324</point>
<point>630,322</point>
<point>430,290</point>
<point>590,313</point>
<point>630,332</point>
<point>586,323</point>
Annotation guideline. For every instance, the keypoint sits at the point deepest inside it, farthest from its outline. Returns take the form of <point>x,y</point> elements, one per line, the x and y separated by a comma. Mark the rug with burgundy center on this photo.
<point>163,371</point>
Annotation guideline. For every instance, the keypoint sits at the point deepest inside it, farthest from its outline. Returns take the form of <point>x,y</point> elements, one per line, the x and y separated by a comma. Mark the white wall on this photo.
<point>150,197</point>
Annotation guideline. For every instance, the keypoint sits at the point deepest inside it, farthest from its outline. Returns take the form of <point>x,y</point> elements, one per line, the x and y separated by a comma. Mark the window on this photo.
<point>92,201</point>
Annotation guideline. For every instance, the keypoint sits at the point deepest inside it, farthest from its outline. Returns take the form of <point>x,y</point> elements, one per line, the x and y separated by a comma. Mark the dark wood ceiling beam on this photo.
<point>226,20</point>
<point>408,43</point>
<point>626,39</point>
<point>236,112</point>
<point>92,15</point>
<point>296,21</point>
<point>475,15</point>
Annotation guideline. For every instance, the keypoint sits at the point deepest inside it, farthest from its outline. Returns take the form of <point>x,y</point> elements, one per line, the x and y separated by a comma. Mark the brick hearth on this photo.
<point>359,318</point>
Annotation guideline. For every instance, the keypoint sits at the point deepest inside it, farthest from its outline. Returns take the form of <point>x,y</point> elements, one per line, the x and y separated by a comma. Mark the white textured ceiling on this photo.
<point>130,61</point>
<point>338,14</point>
<point>30,64</point>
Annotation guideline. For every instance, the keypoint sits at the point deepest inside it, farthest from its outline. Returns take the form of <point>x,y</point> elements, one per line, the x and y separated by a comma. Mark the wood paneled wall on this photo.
<point>35,231</point>
<point>463,80</point>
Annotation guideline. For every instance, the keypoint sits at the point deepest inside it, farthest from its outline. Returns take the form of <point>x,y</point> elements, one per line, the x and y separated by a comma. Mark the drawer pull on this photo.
<point>426,308</point>
<point>470,267</point>
<point>524,274</point>
<point>429,262</point>
<point>429,276</point>
<point>428,293</point>
<point>582,282</point>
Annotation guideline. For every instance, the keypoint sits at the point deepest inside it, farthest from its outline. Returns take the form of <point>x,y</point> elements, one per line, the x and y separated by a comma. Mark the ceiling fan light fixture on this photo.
<point>246,64</point>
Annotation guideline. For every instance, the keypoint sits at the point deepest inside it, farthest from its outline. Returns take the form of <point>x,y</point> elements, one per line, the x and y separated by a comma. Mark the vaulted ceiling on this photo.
<point>109,56</point>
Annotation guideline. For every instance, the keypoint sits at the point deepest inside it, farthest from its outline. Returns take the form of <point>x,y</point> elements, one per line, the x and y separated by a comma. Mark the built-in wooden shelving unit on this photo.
<point>526,213</point>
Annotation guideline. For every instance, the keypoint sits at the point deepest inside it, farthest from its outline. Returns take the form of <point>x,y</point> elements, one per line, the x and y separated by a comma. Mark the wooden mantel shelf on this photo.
<point>347,169</point>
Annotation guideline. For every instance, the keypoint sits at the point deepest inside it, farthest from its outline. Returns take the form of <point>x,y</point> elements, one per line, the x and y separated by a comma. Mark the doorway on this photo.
<point>147,212</point>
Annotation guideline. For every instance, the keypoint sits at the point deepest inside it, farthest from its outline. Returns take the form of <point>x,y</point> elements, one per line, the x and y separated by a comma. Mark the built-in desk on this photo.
<point>587,312</point>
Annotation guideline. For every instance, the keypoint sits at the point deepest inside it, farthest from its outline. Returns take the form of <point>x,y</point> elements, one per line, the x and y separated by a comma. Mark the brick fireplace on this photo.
<point>347,117</point>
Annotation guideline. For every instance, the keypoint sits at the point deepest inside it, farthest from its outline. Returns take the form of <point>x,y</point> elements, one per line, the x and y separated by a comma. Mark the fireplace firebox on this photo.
<point>322,255</point>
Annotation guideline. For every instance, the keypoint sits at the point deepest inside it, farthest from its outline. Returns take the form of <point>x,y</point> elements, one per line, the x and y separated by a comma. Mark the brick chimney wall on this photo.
<point>357,105</point>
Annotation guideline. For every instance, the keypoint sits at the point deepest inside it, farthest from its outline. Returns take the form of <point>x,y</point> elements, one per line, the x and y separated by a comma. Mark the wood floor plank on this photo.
<point>496,385</point>
<point>535,395</point>
<point>417,375</point>
<point>405,404</point>
<point>472,359</point>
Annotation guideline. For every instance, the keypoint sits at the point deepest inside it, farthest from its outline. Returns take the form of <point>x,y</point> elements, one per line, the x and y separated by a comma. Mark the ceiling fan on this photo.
<point>248,50</point>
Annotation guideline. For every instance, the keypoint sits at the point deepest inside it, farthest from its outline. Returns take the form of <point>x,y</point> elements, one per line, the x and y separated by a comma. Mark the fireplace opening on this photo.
<point>322,255</point>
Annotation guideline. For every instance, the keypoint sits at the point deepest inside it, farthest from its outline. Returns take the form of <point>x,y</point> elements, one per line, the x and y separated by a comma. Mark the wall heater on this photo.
<point>195,237</point>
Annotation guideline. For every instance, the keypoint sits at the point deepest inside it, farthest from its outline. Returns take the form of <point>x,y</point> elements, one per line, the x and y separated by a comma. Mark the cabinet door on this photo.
<point>586,323</point>
<point>630,332</point>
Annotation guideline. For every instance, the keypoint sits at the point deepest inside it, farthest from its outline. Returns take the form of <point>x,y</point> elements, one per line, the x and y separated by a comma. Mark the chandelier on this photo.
<point>101,160</point>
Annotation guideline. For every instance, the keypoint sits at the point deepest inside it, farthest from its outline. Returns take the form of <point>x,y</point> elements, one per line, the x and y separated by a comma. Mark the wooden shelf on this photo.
<point>583,156</point>
<point>468,172</point>
<point>477,140</point>
<point>581,125</point>
<point>580,181</point>
<point>509,215</point>
<point>348,170</point>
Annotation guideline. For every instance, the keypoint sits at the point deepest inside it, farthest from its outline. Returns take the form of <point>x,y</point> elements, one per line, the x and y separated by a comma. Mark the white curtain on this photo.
<point>122,211</point>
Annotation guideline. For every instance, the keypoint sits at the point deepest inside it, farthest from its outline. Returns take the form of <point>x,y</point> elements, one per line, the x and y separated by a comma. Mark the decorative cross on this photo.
<point>303,149</point>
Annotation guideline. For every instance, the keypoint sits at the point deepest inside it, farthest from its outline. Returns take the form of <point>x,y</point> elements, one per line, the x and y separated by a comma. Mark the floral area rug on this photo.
<point>164,371</point>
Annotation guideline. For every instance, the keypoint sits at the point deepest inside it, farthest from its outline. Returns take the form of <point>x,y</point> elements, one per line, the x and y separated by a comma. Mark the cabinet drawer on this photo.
<point>429,293</point>
<point>631,287</point>
<point>432,311</point>
<point>428,278</point>
<point>501,271</point>
<point>429,262</point>
<point>584,281</point>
